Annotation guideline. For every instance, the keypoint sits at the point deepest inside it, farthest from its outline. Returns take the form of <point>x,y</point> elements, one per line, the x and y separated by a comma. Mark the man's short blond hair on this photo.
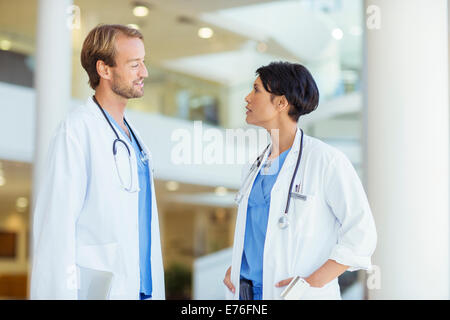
<point>100,45</point>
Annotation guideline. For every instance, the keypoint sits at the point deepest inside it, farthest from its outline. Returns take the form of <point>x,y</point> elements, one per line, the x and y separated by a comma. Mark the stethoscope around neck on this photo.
<point>142,155</point>
<point>283,221</point>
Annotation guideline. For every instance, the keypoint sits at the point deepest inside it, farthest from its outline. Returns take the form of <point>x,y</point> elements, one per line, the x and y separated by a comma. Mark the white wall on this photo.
<point>17,129</point>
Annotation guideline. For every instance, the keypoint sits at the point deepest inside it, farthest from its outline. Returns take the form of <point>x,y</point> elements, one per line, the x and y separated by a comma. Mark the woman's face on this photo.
<point>260,109</point>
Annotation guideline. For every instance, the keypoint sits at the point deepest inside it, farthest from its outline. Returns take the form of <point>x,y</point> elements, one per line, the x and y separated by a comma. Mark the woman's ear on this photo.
<point>103,70</point>
<point>282,103</point>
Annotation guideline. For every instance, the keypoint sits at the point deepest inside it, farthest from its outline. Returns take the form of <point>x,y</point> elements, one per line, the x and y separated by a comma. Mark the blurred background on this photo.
<point>201,57</point>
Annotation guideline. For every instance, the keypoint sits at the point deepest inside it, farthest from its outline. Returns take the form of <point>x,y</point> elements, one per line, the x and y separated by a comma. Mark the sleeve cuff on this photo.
<point>345,256</point>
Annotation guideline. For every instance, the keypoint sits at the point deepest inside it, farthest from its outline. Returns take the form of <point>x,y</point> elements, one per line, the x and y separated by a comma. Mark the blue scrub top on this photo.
<point>256,224</point>
<point>145,216</point>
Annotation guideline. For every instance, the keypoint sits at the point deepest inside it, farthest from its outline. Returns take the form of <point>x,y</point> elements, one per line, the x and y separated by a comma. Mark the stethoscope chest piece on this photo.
<point>283,221</point>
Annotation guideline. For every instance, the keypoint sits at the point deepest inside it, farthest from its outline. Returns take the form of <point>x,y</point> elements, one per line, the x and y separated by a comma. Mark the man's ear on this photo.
<point>103,70</point>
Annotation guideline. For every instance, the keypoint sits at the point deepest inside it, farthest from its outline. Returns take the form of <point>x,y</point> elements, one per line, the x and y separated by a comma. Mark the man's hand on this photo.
<point>227,280</point>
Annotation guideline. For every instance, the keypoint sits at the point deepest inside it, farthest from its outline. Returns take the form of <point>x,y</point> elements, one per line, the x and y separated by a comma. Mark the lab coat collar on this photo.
<point>291,158</point>
<point>94,110</point>
<point>296,145</point>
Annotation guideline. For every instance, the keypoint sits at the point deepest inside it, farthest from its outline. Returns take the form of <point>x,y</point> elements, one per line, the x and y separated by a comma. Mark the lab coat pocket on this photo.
<point>96,266</point>
<point>99,257</point>
<point>103,257</point>
<point>303,217</point>
<point>328,292</point>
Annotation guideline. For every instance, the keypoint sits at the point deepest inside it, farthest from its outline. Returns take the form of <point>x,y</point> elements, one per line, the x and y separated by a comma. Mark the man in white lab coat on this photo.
<point>95,223</point>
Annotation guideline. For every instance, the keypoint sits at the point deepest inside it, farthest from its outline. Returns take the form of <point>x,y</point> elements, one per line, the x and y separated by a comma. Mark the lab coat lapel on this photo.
<point>255,174</point>
<point>143,146</point>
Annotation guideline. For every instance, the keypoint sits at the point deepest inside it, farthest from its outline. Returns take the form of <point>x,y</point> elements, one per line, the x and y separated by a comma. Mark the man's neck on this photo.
<point>115,105</point>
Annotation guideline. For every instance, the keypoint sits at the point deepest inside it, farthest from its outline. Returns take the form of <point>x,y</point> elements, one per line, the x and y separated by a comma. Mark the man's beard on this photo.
<point>121,89</point>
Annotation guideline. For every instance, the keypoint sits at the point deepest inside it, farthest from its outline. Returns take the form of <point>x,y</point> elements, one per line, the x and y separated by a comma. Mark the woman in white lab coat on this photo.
<point>303,214</point>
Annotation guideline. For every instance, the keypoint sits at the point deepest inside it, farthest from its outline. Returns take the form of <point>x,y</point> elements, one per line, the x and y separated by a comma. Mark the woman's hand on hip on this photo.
<point>319,278</point>
<point>227,280</point>
<point>285,282</point>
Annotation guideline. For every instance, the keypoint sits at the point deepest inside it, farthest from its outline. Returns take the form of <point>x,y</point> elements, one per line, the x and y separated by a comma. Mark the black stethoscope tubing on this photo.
<point>297,165</point>
<point>295,173</point>
<point>115,132</point>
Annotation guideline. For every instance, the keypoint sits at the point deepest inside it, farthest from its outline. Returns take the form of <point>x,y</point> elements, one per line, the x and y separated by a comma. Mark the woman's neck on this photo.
<point>282,139</point>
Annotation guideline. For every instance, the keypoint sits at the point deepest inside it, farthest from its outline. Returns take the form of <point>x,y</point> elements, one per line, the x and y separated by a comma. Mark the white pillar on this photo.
<point>408,146</point>
<point>52,82</point>
<point>80,79</point>
<point>448,25</point>
<point>53,75</point>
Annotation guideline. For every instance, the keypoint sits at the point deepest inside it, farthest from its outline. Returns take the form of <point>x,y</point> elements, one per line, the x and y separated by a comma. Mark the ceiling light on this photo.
<point>133,26</point>
<point>205,33</point>
<point>356,31</point>
<point>22,202</point>
<point>221,191</point>
<point>337,33</point>
<point>2,181</point>
<point>221,214</point>
<point>5,45</point>
<point>261,47</point>
<point>140,10</point>
<point>172,185</point>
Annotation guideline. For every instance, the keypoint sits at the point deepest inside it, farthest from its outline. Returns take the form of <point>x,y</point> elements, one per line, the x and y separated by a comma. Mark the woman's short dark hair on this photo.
<point>293,81</point>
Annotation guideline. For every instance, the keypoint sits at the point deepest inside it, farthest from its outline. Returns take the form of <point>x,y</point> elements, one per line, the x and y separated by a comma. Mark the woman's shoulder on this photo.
<point>321,151</point>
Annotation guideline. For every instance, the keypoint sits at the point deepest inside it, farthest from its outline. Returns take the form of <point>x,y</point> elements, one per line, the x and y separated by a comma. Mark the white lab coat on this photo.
<point>84,218</point>
<point>335,222</point>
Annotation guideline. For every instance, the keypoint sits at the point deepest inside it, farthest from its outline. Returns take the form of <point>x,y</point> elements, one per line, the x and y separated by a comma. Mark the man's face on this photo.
<point>129,73</point>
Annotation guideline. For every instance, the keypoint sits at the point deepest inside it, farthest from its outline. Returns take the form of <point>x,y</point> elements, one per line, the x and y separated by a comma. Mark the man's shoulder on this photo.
<point>77,120</point>
<point>80,112</point>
